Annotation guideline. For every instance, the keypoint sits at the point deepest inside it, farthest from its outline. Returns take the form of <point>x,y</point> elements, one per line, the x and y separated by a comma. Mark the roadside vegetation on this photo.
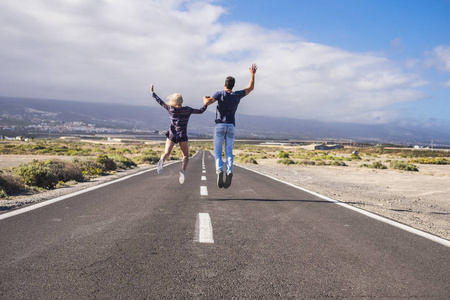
<point>92,159</point>
<point>89,160</point>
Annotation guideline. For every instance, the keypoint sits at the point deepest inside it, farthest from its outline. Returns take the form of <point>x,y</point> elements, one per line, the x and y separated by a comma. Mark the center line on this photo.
<point>203,191</point>
<point>203,229</point>
<point>203,177</point>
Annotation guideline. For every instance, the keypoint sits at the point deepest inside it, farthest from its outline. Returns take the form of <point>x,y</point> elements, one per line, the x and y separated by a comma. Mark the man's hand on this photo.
<point>253,69</point>
<point>208,100</point>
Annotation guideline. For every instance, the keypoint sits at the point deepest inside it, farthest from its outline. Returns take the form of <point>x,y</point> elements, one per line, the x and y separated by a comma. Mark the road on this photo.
<point>148,237</point>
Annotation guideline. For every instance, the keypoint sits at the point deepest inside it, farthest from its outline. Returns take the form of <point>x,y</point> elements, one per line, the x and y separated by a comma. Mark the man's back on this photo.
<point>227,104</point>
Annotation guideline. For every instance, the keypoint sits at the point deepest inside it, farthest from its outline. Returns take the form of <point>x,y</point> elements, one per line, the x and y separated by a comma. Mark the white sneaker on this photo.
<point>182,177</point>
<point>160,166</point>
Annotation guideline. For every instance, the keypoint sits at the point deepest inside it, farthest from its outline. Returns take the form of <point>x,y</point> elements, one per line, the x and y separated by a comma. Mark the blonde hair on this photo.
<point>175,100</point>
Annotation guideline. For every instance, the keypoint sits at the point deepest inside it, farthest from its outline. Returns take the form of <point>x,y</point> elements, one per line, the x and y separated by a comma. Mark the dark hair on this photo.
<point>229,82</point>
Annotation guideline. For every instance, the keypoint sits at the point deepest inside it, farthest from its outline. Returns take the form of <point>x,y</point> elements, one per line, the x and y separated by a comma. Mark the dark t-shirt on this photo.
<point>227,104</point>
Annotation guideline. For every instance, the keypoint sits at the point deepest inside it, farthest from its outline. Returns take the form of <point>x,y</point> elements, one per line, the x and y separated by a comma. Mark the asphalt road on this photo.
<point>141,238</point>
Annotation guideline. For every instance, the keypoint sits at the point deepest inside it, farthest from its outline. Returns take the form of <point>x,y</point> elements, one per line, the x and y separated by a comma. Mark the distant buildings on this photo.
<point>322,146</point>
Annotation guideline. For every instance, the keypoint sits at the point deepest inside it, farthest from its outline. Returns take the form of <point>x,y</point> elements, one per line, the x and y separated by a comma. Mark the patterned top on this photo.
<point>179,117</point>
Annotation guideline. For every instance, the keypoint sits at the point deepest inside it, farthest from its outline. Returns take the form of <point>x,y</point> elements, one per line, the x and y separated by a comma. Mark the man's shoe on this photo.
<point>160,166</point>
<point>220,179</point>
<point>182,177</point>
<point>228,180</point>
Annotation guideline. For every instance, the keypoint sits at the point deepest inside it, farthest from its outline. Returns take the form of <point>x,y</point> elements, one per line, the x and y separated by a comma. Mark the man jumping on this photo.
<point>224,131</point>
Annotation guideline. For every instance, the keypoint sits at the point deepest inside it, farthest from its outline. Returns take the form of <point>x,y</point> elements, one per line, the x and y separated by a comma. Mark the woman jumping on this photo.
<point>177,133</point>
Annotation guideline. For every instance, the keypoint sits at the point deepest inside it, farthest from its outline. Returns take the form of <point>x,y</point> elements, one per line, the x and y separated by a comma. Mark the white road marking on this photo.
<point>203,177</point>
<point>203,191</point>
<point>204,171</point>
<point>366,213</point>
<point>203,229</point>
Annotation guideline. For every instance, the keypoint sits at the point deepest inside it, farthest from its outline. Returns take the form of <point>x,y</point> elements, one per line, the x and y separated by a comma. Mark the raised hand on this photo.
<point>253,69</point>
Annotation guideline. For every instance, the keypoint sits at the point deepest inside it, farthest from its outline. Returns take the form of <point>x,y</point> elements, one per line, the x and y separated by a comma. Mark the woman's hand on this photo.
<point>151,89</point>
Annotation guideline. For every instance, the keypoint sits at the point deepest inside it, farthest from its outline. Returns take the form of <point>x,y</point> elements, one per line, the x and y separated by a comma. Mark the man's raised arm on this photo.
<point>251,85</point>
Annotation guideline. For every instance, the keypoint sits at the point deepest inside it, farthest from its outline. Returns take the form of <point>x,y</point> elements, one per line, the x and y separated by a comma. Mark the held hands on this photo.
<point>207,100</point>
<point>253,69</point>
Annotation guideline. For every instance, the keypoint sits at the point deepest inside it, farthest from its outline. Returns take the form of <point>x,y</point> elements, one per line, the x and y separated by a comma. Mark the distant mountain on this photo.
<point>23,111</point>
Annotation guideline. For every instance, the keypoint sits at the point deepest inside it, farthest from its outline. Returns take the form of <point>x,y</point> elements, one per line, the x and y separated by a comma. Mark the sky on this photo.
<point>359,61</point>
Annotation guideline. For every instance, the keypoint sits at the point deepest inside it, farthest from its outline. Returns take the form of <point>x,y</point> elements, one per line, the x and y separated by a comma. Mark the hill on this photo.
<point>26,114</point>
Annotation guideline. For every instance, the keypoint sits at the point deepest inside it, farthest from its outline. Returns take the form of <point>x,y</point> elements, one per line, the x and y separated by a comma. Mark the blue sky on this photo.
<point>363,61</point>
<point>396,29</point>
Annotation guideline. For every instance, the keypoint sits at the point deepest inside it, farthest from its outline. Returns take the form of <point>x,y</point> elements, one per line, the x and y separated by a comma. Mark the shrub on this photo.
<point>65,171</point>
<point>146,159</point>
<point>37,174</point>
<point>306,162</point>
<point>404,166</point>
<point>122,162</point>
<point>282,154</point>
<point>285,161</point>
<point>375,165</point>
<point>107,163</point>
<point>246,159</point>
<point>431,161</point>
<point>91,168</point>
<point>355,156</point>
<point>10,183</point>
<point>338,163</point>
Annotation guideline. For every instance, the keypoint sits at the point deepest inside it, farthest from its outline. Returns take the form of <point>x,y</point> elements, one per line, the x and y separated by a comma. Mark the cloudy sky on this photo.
<point>372,61</point>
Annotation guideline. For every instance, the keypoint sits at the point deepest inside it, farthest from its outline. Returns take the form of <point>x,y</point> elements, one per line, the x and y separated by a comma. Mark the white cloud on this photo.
<point>440,58</point>
<point>113,50</point>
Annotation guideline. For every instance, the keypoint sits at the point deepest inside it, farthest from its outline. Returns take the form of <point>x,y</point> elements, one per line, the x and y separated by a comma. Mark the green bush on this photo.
<point>431,161</point>
<point>146,159</point>
<point>285,161</point>
<point>91,168</point>
<point>123,162</point>
<point>107,163</point>
<point>246,159</point>
<point>375,165</point>
<point>355,156</point>
<point>37,174</point>
<point>282,154</point>
<point>404,166</point>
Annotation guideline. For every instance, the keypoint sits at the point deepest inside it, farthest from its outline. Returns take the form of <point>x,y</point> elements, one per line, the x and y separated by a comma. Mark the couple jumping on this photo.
<point>227,104</point>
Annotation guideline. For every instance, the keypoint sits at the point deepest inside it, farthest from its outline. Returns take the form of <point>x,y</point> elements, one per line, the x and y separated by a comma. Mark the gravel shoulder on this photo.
<point>418,199</point>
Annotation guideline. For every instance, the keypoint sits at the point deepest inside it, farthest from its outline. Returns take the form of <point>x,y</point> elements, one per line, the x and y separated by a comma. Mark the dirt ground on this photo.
<point>418,199</point>
<point>8,161</point>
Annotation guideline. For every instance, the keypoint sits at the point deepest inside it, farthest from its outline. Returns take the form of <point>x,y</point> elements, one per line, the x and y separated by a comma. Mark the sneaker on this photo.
<point>160,166</point>
<point>182,177</point>
<point>220,179</point>
<point>228,180</point>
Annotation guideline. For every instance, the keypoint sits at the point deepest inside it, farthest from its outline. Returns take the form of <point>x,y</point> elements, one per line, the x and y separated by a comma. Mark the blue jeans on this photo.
<point>224,133</point>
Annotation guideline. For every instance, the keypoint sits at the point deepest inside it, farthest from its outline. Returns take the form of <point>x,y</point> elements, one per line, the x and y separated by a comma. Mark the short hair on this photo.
<point>229,82</point>
<point>175,100</point>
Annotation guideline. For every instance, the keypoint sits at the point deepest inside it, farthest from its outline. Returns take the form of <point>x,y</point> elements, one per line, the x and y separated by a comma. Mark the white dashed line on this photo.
<point>203,177</point>
<point>204,171</point>
<point>203,191</point>
<point>203,229</point>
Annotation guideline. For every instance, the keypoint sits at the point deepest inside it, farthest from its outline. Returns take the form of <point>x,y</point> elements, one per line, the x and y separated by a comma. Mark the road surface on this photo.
<point>148,237</point>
